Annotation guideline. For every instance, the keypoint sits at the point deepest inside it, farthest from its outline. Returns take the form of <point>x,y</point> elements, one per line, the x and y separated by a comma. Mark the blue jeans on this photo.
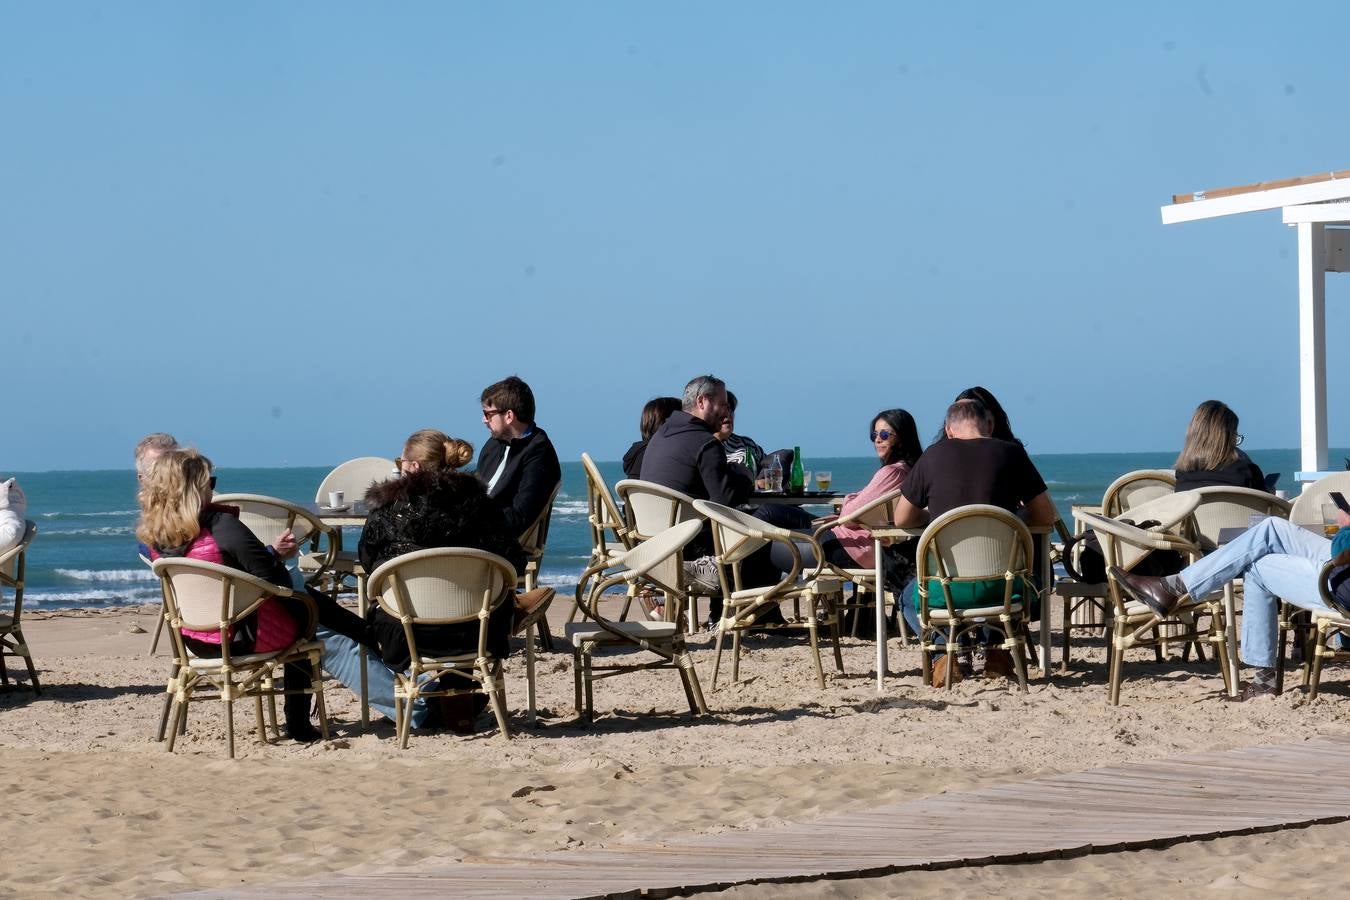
<point>1276,561</point>
<point>342,660</point>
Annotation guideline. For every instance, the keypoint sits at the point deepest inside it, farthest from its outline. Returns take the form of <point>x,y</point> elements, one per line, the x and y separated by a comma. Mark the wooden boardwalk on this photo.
<point>1100,810</point>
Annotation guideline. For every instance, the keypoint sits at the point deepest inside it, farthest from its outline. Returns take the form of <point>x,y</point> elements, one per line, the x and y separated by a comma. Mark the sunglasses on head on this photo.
<point>884,434</point>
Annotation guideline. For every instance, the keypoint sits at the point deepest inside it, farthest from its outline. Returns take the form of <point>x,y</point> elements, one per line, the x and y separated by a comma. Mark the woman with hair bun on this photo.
<point>433,504</point>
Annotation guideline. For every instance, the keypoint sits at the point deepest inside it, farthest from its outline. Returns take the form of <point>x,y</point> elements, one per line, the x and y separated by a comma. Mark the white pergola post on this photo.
<point>1312,344</point>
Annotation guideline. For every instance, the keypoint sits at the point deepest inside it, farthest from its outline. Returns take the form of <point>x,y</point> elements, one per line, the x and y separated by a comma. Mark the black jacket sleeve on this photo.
<point>726,484</point>
<point>539,475</point>
<point>248,553</point>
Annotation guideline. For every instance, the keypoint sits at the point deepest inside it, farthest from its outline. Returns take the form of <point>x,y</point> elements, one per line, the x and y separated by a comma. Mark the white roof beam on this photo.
<point>1255,201</point>
<point>1326,213</point>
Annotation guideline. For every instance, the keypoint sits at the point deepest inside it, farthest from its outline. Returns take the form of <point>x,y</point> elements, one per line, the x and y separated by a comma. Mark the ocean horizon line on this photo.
<point>1034,453</point>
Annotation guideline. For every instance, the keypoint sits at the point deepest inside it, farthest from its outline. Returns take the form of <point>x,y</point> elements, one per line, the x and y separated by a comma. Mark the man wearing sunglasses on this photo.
<point>518,464</point>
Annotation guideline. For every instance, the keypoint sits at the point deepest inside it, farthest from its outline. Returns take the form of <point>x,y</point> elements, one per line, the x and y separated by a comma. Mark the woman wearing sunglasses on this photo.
<point>895,438</point>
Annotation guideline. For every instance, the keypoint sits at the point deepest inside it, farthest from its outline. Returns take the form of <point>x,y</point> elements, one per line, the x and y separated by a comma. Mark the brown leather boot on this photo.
<point>938,678</point>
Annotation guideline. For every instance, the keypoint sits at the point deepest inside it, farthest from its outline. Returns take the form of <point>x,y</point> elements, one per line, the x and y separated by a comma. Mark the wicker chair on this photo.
<point>269,517</point>
<point>1335,620</point>
<point>533,542</point>
<point>880,512</point>
<point>958,552</point>
<point>204,596</point>
<point>610,539</point>
<point>656,561</point>
<point>1307,508</point>
<point>736,535</point>
<point>1231,507</point>
<point>1086,604</point>
<point>445,586</point>
<point>651,509</point>
<point>1134,624</point>
<point>13,561</point>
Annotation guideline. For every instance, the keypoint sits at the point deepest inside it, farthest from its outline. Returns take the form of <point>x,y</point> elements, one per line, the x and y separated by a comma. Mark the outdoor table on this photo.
<point>1041,533</point>
<point>806,498</point>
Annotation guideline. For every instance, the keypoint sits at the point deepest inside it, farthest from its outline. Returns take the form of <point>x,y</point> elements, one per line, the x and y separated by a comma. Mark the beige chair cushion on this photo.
<point>579,632</point>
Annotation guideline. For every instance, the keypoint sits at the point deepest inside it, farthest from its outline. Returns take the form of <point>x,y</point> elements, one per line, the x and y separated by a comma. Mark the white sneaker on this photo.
<point>700,576</point>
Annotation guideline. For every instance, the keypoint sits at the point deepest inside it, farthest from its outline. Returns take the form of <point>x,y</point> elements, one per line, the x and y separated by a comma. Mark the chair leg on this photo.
<point>690,676</point>
<point>815,652</point>
<point>576,682</point>
<point>1116,666</point>
<point>316,687</point>
<point>229,726</point>
<point>497,696</point>
<point>1018,649</point>
<point>717,655</point>
<point>179,715</point>
<point>900,620</point>
<point>258,715</point>
<point>529,674</point>
<point>1281,640</point>
<point>404,724</point>
<point>545,636</point>
<point>1323,633</point>
<point>1067,606</point>
<point>588,682</point>
<point>736,656</point>
<point>159,629</point>
<point>952,650</point>
<point>835,627</point>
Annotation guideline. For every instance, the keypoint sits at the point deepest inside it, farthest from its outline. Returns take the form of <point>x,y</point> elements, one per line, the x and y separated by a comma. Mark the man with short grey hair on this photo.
<point>152,447</point>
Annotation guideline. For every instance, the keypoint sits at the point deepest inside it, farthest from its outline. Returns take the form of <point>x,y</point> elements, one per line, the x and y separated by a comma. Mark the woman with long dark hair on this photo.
<point>1211,456</point>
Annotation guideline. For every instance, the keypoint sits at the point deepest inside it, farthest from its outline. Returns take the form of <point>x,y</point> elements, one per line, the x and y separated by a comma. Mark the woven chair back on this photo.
<point>354,477</point>
<point>974,543</point>
<point>652,508</point>
<point>268,517</point>
<point>12,559</point>
<point>734,531</point>
<point>442,584</point>
<point>1307,509</point>
<point>1125,545</point>
<point>535,537</point>
<point>1134,488</point>
<point>206,596</point>
<point>1231,507</point>
<point>602,513</point>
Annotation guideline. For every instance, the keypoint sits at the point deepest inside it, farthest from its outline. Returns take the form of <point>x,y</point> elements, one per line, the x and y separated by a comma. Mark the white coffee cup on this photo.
<point>336,499</point>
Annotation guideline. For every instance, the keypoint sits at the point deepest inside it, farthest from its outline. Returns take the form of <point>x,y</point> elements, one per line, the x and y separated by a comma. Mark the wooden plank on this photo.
<point>1142,805</point>
<point>1214,193</point>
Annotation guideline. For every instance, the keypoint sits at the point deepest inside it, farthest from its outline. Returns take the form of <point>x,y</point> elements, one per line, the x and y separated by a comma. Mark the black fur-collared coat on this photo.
<point>435,509</point>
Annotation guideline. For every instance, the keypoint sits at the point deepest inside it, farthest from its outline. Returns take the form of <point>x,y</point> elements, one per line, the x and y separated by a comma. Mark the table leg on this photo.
<point>1047,576</point>
<point>881,619</point>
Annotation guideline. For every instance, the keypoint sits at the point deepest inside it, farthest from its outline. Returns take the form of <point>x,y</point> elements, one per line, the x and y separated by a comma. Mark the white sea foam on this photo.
<point>570,508</point>
<point>92,598</point>
<point>558,581</point>
<point>109,575</point>
<point>105,531</point>
<point>119,513</point>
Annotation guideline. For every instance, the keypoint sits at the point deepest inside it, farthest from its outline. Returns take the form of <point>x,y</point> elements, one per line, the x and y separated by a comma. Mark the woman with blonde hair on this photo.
<point>1211,455</point>
<point>180,519</point>
<point>433,504</point>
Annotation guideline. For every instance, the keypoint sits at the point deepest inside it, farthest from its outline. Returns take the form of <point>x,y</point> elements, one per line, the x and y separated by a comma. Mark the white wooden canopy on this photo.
<point>1319,207</point>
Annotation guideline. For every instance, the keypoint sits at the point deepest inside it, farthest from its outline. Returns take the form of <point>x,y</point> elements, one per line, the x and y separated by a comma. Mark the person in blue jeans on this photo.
<point>1276,560</point>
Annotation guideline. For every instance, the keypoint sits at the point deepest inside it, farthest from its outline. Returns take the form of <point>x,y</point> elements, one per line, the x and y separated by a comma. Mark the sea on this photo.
<point>84,554</point>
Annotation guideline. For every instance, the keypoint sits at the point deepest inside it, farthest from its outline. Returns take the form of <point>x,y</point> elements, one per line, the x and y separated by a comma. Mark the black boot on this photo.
<point>296,706</point>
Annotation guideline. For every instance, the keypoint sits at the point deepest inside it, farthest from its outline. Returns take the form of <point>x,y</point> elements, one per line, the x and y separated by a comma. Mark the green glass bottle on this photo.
<point>798,480</point>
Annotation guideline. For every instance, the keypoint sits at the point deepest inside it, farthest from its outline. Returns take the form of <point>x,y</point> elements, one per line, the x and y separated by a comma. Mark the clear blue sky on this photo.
<point>292,233</point>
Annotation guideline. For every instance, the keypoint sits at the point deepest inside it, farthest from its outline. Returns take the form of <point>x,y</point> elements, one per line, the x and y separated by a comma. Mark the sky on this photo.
<point>293,233</point>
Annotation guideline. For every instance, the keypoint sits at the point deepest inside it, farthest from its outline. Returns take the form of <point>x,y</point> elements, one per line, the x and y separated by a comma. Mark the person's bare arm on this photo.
<point>907,515</point>
<point>1039,510</point>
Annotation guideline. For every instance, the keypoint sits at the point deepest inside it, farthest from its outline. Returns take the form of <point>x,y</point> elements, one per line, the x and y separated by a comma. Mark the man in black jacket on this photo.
<point>518,464</point>
<point>686,455</point>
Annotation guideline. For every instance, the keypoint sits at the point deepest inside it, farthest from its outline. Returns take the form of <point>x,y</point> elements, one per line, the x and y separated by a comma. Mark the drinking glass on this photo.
<point>1330,525</point>
<point>823,480</point>
<point>806,479</point>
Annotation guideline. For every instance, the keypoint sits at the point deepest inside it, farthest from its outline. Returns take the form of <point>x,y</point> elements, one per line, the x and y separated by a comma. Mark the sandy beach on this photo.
<point>106,811</point>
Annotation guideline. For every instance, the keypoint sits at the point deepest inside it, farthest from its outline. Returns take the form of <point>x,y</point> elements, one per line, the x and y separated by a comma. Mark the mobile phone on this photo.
<point>1339,499</point>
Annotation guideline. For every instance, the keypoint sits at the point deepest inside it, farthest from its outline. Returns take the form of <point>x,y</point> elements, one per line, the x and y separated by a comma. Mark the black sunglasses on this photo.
<point>883,434</point>
<point>212,482</point>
